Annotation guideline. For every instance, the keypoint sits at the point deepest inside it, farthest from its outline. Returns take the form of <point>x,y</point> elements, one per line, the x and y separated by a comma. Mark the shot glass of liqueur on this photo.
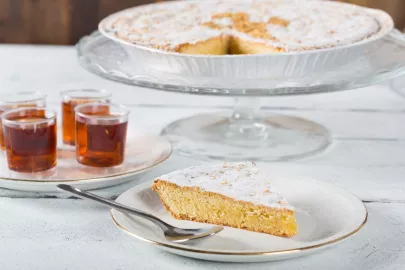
<point>72,98</point>
<point>13,100</point>
<point>101,132</point>
<point>30,139</point>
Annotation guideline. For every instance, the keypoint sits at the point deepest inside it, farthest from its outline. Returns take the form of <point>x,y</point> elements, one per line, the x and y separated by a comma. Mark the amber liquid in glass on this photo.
<point>68,122</point>
<point>101,145</point>
<point>2,143</point>
<point>31,149</point>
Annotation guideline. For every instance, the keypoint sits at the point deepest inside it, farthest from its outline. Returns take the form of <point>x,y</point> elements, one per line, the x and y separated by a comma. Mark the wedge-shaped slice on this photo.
<point>230,194</point>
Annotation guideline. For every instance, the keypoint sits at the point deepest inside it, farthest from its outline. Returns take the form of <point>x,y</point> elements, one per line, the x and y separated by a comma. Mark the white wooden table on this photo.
<point>367,157</point>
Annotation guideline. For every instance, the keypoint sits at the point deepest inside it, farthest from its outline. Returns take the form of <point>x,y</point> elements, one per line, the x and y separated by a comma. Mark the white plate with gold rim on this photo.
<point>142,153</point>
<point>326,215</point>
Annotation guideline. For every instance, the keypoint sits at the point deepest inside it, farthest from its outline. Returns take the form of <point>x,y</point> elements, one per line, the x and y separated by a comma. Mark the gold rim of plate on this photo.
<point>163,157</point>
<point>286,251</point>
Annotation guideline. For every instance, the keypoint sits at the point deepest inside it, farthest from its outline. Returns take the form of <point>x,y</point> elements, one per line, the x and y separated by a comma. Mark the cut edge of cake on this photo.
<point>213,46</point>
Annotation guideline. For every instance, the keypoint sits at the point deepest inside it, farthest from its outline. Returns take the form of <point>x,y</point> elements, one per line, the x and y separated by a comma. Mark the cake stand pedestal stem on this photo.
<point>246,123</point>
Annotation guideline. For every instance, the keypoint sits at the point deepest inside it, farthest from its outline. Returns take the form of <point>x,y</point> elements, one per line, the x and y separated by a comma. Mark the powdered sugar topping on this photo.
<point>309,24</point>
<point>240,181</point>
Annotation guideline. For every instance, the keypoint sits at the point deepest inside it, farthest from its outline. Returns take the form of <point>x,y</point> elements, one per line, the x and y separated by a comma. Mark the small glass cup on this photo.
<point>13,100</point>
<point>72,98</point>
<point>101,132</point>
<point>30,139</point>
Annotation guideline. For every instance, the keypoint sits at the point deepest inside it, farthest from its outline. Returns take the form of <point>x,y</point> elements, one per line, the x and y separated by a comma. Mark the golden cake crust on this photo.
<point>281,232</point>
<point>234,194</point>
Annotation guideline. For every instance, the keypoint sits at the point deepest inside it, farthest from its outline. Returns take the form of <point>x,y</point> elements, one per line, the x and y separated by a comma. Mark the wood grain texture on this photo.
<point>35,21</point>
<point>54,21</point>
<point>83,18</point>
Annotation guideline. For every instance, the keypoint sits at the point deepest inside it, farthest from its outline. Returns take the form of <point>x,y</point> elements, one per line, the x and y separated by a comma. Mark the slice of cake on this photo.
<point>231,194</point>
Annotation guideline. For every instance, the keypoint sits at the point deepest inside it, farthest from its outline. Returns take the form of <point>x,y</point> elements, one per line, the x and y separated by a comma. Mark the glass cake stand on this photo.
<point>247,133</point>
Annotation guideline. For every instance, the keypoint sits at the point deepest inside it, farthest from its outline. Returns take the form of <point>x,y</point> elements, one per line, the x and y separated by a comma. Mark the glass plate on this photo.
<point>381,60</point>
<point>142,153</point>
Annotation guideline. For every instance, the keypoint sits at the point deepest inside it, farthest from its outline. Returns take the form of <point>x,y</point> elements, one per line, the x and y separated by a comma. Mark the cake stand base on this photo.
<point>246,135</point>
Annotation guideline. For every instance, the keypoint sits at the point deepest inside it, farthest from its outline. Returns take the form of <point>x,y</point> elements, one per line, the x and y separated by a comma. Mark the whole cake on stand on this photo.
<point>245,26</point>
<point>246,50</point>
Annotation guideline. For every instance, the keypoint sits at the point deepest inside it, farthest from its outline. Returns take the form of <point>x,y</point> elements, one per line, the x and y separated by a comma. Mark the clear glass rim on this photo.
<point>100,68</point>
<point>37,96</point>
<point>124,111</point>
<point>103,94</point>
<point>6,121</point>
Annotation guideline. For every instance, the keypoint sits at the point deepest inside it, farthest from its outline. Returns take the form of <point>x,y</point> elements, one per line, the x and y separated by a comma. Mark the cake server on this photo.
<point>173,234</point>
